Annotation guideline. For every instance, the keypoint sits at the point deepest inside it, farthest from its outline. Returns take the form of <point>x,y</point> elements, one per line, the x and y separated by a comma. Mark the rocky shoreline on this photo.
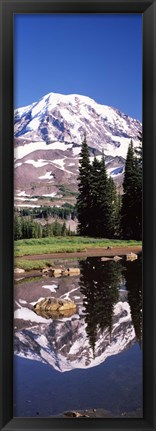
<point>95,251</point>
<point>116,254</point>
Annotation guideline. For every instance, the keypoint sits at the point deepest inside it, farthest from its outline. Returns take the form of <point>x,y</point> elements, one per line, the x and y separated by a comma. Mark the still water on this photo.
<point>90,360</point>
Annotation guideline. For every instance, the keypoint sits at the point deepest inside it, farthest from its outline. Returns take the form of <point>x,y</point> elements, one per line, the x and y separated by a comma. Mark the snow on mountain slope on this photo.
<point>52,130</point>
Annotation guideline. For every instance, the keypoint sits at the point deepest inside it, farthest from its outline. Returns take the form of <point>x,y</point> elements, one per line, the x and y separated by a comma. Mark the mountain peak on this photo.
<point>52,130</point>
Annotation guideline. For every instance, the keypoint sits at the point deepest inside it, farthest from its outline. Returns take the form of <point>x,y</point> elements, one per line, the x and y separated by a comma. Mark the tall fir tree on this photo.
<point>131,212</point>
<point>103,199</point>
<point>83,200</point>
<point>17,227</point>
<point>138,150</point>
<point>94,213</point>
<point>138,200</point>
<point>97,204</point>
<point>111,214</point>
<point>117,227</point>
<point>64,229</point>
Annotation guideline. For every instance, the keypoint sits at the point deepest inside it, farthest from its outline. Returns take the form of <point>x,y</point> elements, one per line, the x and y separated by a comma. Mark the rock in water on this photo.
<point>71,271</point>
<point>131,256</point>
<point>54,308</point>
<point>116,258</point>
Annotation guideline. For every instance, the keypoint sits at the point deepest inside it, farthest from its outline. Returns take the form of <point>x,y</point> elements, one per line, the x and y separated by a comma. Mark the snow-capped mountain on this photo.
<point>48,135</point>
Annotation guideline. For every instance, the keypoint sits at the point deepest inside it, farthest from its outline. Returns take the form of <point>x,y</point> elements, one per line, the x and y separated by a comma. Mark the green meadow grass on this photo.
<point>30,265</point>
<point>50,245</point>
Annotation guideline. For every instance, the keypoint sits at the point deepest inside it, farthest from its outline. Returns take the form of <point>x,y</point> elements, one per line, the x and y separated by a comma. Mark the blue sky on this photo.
<point>99,56</point>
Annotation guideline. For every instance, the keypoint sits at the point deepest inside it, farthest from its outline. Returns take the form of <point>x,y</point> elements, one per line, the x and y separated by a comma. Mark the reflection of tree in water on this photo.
<point>99,284</point>
<point>133,278</point>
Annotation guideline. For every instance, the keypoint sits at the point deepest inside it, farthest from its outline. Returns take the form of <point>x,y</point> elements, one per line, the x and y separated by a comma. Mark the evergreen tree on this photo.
<point>94,213</point>
<point>111,212</point>
<point>44,231</point>
<point>56,228</point>
<point>17,228</point>
<point>50,230</point>
<point>97,205</point>
<point>32,228</point>
<point>83,200</point>
<point>117,226</point>
<point>138,150</point>
<point>137,203</point>
<point>39,230</point>
<point>138,209</point>
<point>23,226</point>
<point>102,199</point>
<point>131,213</point>
<point>64,230</point>
<point>68,231</point>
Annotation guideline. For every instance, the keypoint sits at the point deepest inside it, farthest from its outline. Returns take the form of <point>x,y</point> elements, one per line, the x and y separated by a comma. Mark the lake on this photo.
<point>89,360</point>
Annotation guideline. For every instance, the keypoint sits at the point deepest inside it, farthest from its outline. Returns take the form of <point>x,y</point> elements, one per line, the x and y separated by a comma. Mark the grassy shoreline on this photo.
<point>36,254</point>
<point>71,244</point>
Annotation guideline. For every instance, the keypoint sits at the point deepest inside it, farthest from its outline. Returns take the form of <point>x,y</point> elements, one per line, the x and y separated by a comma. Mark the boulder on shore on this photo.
<point>19,271</point>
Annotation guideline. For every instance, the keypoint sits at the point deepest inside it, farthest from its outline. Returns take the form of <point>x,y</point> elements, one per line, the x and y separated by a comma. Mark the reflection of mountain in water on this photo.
<point>101,328</point>
<point>65,344</point>
<point>133,278</point>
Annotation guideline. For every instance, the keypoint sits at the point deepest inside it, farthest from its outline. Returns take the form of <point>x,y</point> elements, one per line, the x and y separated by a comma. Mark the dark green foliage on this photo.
<point>17,228</point>
<point>117,216</point>
<point>64,212</point>
<point>64,230</point>
<point>66,191</point>
<point>83,200</point>
<point>100,210</point>
<point>131,213</point>
<point>57,228</point>
<point>98,199</point>
<point>103,200</point>
<point>25,228</point>
<point>99,285</point>
<point>111,209</point>
<point>94,213</point>
<point>97,203</point>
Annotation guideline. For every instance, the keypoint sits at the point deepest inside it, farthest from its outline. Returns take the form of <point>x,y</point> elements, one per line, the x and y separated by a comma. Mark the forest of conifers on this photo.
<point>100,210</point>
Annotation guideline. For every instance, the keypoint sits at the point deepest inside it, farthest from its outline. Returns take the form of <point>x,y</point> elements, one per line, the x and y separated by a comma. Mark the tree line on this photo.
<point>65,212</point>
<point>102,212</point>
<point>28,228</point>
